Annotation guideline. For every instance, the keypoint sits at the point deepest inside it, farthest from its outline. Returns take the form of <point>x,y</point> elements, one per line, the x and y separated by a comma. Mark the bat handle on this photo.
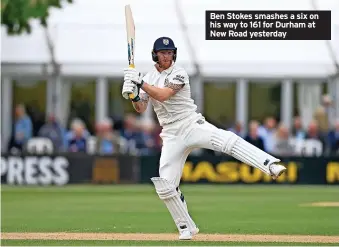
<point>131,95</point>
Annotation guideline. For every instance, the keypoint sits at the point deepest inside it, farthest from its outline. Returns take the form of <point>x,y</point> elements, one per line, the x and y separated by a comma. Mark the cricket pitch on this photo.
<point>169,237</point>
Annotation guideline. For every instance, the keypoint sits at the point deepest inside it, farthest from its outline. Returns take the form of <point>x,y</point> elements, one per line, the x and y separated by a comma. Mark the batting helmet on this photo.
<point>163,43</point>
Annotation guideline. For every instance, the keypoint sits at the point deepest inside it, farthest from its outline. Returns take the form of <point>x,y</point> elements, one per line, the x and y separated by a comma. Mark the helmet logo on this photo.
<point>165,41</point>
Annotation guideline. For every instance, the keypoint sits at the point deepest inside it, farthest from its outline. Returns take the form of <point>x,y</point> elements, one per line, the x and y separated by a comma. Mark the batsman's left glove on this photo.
<point>130,88</point>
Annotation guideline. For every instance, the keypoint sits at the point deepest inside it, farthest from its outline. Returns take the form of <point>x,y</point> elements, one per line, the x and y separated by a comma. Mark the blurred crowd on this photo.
<point>319,137</point>
<point>137,136</point>
<point>277,139</point>
<point>131,135</point>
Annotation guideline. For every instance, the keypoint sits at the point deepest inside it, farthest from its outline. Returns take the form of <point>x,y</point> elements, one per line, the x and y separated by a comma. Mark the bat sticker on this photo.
<point>132,42</point>
<point>129,53</point>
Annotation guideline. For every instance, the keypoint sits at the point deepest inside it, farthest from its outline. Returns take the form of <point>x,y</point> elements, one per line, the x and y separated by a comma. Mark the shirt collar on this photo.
<point>167,71</point>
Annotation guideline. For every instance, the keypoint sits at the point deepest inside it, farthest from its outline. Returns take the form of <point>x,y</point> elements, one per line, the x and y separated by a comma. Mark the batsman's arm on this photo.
<point>142,104</point>
<point>161,94</point>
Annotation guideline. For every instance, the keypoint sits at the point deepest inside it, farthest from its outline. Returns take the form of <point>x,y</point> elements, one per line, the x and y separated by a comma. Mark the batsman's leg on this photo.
<point>173,156</point>
<point>208,136</point>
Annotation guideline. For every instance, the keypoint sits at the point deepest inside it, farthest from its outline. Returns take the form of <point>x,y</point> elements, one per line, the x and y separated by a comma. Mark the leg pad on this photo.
<point>175,205</point>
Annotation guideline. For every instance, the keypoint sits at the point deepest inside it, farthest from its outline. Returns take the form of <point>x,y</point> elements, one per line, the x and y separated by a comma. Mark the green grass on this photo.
<point>136,208</point>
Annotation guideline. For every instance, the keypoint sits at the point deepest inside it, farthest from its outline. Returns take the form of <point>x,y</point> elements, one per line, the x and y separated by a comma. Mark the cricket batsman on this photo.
<point>183,129</point>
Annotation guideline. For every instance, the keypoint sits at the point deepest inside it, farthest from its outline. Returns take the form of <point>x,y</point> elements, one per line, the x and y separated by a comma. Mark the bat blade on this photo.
<point>130,28</point>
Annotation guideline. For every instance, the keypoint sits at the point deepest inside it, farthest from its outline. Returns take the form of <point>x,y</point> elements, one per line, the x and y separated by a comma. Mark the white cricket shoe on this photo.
<point>185,235</point>
<point>276,170</point>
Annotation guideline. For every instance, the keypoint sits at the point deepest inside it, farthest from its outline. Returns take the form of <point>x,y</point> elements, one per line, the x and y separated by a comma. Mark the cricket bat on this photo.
<point>130,29</point>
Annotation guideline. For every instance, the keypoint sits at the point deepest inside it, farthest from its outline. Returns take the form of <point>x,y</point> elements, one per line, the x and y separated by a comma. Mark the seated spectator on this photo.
<point>253,136</point>
<point>76,139</point>
<point>282,145</point>
<point>132,134</point>
<point>23,128</point>
<point>314,133</point>
<point>237,129</point>
<point>267,132</point>
<point>148,145</point>
<point>297,130</point>
<point>55,132</point>
<point>107,140</point>
<point>333,139</point>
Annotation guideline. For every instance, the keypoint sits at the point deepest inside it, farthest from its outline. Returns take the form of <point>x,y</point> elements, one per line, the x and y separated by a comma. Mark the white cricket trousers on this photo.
<point>179,139</point>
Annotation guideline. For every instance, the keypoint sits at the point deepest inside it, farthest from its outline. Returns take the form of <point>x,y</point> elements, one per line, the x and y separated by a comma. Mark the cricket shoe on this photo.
<point>187,234</point>
<point>276,170</point>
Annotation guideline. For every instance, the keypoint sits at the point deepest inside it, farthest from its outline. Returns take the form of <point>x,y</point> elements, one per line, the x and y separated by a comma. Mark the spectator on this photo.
<point>107,139</point>
<point>81,108</point>
<point>297,131</point>
<point>55,132</point>
<point>77,137</point>
<point>313,133</point>
<point>282,145</point>
<point>253,136</point>
<point>148,139</point>
<point>37,116</point>
<point>333,139</point>
<point>324,115</point>
<point>237,129</point>
<point>23,128</point>
<point>267,133</point>
<point>132,134</point>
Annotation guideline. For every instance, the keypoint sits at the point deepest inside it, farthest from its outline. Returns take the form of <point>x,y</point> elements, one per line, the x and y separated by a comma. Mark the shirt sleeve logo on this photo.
<point>179,78</point>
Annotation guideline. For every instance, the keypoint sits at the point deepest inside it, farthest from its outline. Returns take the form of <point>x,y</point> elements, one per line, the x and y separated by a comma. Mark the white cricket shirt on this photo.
<point>179,106</point>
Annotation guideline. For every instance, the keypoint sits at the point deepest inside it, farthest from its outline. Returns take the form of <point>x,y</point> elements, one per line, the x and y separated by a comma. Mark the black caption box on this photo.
<point>268,25</point>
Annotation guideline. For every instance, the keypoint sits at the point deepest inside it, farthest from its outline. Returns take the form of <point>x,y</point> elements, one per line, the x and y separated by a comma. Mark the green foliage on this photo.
<point>16,14</point>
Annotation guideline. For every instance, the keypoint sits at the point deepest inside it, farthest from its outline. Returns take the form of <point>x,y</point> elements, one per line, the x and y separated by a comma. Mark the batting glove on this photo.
<point>133,75</point>
<point>130,88</point>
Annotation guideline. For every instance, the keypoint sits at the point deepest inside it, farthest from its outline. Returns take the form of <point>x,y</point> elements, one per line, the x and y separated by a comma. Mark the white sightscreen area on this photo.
<point>90,39</point>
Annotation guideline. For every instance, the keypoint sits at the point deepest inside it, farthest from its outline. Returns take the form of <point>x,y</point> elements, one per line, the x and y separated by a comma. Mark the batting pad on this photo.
<point>251,155</point>
<point>178,209</point>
